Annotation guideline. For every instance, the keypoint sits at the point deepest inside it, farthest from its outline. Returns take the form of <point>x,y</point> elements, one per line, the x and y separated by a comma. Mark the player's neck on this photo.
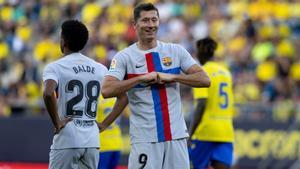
<point>68,52</point>
<point>146,44</point>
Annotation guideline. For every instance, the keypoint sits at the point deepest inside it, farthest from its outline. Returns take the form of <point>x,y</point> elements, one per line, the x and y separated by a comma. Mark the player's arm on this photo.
<point>113,87</point>
<point>197,115</point>
<point>49,97</point>
<point>195,77</point>
<point>118,108</point>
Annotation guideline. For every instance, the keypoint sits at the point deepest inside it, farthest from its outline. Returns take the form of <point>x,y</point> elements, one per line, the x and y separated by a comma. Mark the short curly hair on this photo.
<point>75,34</point>
<point>205,49</point>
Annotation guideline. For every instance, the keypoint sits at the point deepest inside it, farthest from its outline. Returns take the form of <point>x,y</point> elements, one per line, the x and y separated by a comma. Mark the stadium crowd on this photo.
<point>257,39</point>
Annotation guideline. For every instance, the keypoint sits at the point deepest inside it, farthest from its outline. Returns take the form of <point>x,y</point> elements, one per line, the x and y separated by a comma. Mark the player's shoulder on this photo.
<point>175,48</point>
<point>52,65</point>
<point>94,63</point>
<point>211,67</point>
<point>61,61</point>
<point>220,66</point>
<point>97,64</point>
<point>171,45</point>
<point>216,67</point>
<point>126,52</point>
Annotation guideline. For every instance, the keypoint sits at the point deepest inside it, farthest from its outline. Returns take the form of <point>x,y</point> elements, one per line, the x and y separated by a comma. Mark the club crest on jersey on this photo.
<point>113,65</point>
<point>167,61</point>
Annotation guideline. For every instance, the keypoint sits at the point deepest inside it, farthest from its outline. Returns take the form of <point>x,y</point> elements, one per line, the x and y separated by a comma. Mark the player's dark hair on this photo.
<point>143,7</point>
<point>75,34</point>
<point>205,49</point>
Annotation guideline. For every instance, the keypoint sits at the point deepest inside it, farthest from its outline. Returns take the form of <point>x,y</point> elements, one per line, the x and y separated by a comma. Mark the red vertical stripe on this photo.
<point>150,63</point>
<point>165,111</point>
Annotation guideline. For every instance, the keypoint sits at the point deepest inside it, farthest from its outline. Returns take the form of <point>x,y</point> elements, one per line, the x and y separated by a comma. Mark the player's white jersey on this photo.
<point>79,81</point>
<point>156,110</point>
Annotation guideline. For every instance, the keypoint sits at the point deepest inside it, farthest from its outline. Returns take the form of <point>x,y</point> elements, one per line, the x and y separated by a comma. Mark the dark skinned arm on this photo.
<point>118,108</point>
<point>197,115</point>
<point>49,97</point>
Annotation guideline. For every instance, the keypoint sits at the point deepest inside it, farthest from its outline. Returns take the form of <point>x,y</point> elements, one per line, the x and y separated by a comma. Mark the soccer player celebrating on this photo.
<point>72,88</point>
<point>150,72</point>
<point>211,127</point>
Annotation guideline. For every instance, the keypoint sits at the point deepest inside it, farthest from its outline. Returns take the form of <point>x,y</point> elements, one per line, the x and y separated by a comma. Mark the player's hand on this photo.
<point>62,124</point>
<point>101,127</point>
<point>150,78</point>
<point>165,78</point>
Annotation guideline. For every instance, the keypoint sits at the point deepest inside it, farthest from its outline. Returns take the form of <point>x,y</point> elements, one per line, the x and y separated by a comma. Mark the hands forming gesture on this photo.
<point>157,78</point>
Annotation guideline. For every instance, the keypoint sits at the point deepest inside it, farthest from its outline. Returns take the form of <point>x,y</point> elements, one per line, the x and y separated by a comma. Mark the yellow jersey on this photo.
<point>111,138</point>
<point>216,123</point>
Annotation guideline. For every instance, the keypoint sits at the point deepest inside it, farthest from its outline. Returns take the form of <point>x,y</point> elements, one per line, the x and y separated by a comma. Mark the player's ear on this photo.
<point>64,43</point>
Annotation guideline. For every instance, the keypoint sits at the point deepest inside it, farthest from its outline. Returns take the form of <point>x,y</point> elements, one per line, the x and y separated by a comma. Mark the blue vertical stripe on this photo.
<point>158,113</point>
<point>156,60</point>
<point>156,100</point>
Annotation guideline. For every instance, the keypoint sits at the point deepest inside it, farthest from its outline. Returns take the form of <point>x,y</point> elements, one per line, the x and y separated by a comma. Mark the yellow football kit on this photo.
<point>216,123</point>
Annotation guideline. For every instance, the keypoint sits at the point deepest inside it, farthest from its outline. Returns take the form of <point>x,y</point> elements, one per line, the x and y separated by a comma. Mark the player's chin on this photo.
<point>150,38</point>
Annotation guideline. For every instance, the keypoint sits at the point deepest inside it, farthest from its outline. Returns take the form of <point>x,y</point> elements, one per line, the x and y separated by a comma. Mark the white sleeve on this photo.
<point>117,67</point>
<point>105,71</point>
<point>186,60</point>
<point>50,73</point>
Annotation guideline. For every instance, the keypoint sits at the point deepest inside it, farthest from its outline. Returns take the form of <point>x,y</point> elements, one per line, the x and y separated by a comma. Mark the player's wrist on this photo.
<point>102,126</point>
<point>57,126</point>
<point>141,79</point>
<point>175,78</point>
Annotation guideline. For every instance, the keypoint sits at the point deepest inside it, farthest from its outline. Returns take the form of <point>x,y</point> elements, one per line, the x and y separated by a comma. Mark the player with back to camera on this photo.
<point>211,128</point>
<point>150,72</point>
<point>71,92</point>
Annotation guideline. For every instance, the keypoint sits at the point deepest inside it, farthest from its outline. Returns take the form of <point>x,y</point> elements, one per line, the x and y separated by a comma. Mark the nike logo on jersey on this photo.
<point>139,66</point>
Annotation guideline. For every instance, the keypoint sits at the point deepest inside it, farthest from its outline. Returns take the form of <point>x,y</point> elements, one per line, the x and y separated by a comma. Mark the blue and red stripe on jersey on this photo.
<point>160,99</point>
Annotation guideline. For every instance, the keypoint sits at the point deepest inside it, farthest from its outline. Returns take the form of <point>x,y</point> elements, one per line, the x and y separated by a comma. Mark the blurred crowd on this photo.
<point>257,39</point>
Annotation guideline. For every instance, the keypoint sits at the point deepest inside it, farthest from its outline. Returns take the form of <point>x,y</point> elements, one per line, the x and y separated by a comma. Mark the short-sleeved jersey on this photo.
<point>156,111</point>
<point>79,81</point>
<point>111,138</point>
<point>216,123</point>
